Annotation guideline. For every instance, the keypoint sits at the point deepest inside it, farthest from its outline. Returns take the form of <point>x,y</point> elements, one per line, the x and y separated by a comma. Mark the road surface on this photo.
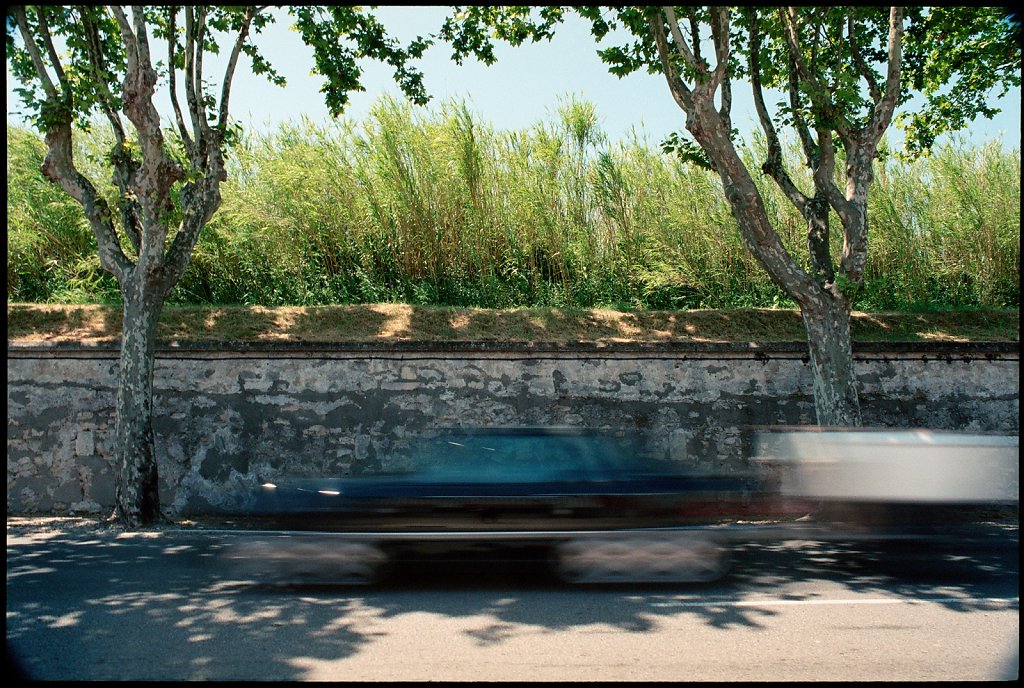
<point>98,604</point>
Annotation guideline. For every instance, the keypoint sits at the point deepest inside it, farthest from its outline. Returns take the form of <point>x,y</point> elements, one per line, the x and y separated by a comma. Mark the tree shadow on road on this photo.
<point>162,606</point>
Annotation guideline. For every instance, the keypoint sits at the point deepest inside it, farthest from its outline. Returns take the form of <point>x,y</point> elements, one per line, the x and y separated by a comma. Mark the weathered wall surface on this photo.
<point>227,419</point>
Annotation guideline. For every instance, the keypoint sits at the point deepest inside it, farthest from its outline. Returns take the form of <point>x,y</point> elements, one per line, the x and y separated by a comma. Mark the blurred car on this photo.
<point>606,509</point>
<point>513,478</point>
<point>898,482</point>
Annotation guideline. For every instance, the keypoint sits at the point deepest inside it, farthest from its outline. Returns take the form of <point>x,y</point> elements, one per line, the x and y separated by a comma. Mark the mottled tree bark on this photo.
<point>823,293</point>
<point>824,309</point>
<point>137,489</point>
<point>827,321</point>
<point>144,207</point>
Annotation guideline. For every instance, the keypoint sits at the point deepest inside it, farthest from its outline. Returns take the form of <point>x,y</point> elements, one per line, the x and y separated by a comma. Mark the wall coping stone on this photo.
<point>940,349</point>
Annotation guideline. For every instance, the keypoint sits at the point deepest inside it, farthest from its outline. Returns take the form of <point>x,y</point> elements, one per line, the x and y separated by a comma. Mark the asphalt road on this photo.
<point>98,604</point>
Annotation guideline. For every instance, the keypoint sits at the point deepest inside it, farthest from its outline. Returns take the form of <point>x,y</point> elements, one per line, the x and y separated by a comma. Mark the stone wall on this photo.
<point>228,418</point>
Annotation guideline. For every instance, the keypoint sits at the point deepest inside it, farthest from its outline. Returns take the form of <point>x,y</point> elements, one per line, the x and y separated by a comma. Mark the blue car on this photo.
<point>603,507</point>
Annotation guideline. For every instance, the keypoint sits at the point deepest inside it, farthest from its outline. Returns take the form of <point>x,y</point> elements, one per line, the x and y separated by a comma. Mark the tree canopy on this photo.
<point>957,59</point>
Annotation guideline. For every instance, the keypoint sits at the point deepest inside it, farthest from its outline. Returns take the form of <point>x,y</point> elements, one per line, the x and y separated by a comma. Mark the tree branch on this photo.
<point>706,84</point>
<point>824,173</point>
<point>694,34</point>
<point>59,166</point>
<point>773,166</point>
<point>200,53</point>
<point>131,51</point>
<point>191,97</point>
<point>680,92</point>
<point>203,199</point>
<point>819,93</point>
<point>157,173</point>
<point>677,37</point>
<point>886,105</point>
<point>820,154</point>
<point>125,167</point>
<point>229,72</point>
<point>99,68</point>
<point>33,50</point>
<point>172,87</point>
<point>859,63</point>
<point>810,148</point>
<point>720,38</point>
<point>62,77</point>
<point>141,35</point>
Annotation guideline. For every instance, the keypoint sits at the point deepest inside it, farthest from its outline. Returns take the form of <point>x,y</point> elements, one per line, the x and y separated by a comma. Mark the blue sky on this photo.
<point>521,89</point>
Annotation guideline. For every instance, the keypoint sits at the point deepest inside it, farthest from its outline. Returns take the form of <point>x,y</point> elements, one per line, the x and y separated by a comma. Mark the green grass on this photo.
<point>437,208</point>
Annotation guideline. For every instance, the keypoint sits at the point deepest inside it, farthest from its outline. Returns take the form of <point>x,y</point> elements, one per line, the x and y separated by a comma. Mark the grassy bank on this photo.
<point>389,323</point>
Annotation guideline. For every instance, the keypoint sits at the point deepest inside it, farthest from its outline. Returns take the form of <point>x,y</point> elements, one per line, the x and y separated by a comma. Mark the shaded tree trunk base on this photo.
<point>137,494</point>
<point>836,401</point>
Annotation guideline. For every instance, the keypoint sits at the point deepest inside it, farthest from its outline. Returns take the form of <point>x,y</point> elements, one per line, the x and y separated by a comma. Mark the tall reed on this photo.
<point>438,207</point>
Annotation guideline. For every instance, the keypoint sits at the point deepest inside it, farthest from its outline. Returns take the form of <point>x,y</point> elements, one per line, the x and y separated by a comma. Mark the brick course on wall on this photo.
<point>230,417</point>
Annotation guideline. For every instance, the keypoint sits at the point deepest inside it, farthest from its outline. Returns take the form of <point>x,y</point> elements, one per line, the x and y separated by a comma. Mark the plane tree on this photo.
<point>78,63</point>
<point>843,74</point>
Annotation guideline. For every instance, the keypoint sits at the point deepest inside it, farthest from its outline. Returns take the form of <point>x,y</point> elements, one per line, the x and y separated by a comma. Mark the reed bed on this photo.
<point>436,207</point>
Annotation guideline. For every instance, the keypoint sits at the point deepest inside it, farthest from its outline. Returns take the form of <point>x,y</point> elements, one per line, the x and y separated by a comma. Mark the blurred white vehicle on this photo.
<point>892,478</point>
<point>894,465</point>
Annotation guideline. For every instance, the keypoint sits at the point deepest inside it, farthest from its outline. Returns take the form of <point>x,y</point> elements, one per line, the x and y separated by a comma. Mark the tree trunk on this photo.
<point>137,496</point>
<point>825,311</point>
<point>827,321</point>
